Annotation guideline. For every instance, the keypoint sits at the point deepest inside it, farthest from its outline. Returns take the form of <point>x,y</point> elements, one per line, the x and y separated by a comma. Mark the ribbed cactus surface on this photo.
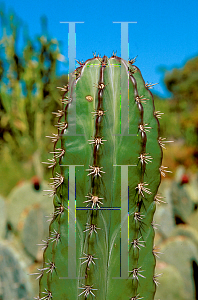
<point>106,171</point>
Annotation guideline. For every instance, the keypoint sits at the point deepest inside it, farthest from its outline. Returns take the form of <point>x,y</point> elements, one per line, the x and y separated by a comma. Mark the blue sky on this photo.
<point>165,36</point>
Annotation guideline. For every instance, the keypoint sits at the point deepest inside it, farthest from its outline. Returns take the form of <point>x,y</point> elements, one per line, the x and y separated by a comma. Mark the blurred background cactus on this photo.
<point>28,93</point>
<point>28,72</point>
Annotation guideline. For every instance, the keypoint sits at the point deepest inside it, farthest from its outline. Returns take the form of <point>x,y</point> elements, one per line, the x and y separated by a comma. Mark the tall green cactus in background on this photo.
<point>28,76</point>
<point>106,172</point>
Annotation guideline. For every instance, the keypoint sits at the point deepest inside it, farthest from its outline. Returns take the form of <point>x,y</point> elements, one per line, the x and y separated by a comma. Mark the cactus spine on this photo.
<point>106,173</point>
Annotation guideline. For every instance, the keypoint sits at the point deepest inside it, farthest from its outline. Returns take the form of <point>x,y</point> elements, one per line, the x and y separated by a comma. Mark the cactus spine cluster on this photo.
<point>106,172</point>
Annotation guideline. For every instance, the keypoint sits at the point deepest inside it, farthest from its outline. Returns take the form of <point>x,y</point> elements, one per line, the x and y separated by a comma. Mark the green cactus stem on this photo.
<point>106,173</point>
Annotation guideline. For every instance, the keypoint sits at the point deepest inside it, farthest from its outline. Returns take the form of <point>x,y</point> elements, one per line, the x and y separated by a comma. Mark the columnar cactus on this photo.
<point>106,171</point>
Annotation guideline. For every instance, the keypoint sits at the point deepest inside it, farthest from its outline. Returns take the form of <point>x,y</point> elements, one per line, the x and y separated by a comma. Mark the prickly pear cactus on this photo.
<point>181,252</point>
<point>167,290</point>
<point>27,208</point>
<point>14,281</point>
<point>106,172</point>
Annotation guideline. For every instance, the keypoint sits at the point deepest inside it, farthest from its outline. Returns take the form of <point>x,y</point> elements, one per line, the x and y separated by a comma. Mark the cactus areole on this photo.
<point>106,172</point>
